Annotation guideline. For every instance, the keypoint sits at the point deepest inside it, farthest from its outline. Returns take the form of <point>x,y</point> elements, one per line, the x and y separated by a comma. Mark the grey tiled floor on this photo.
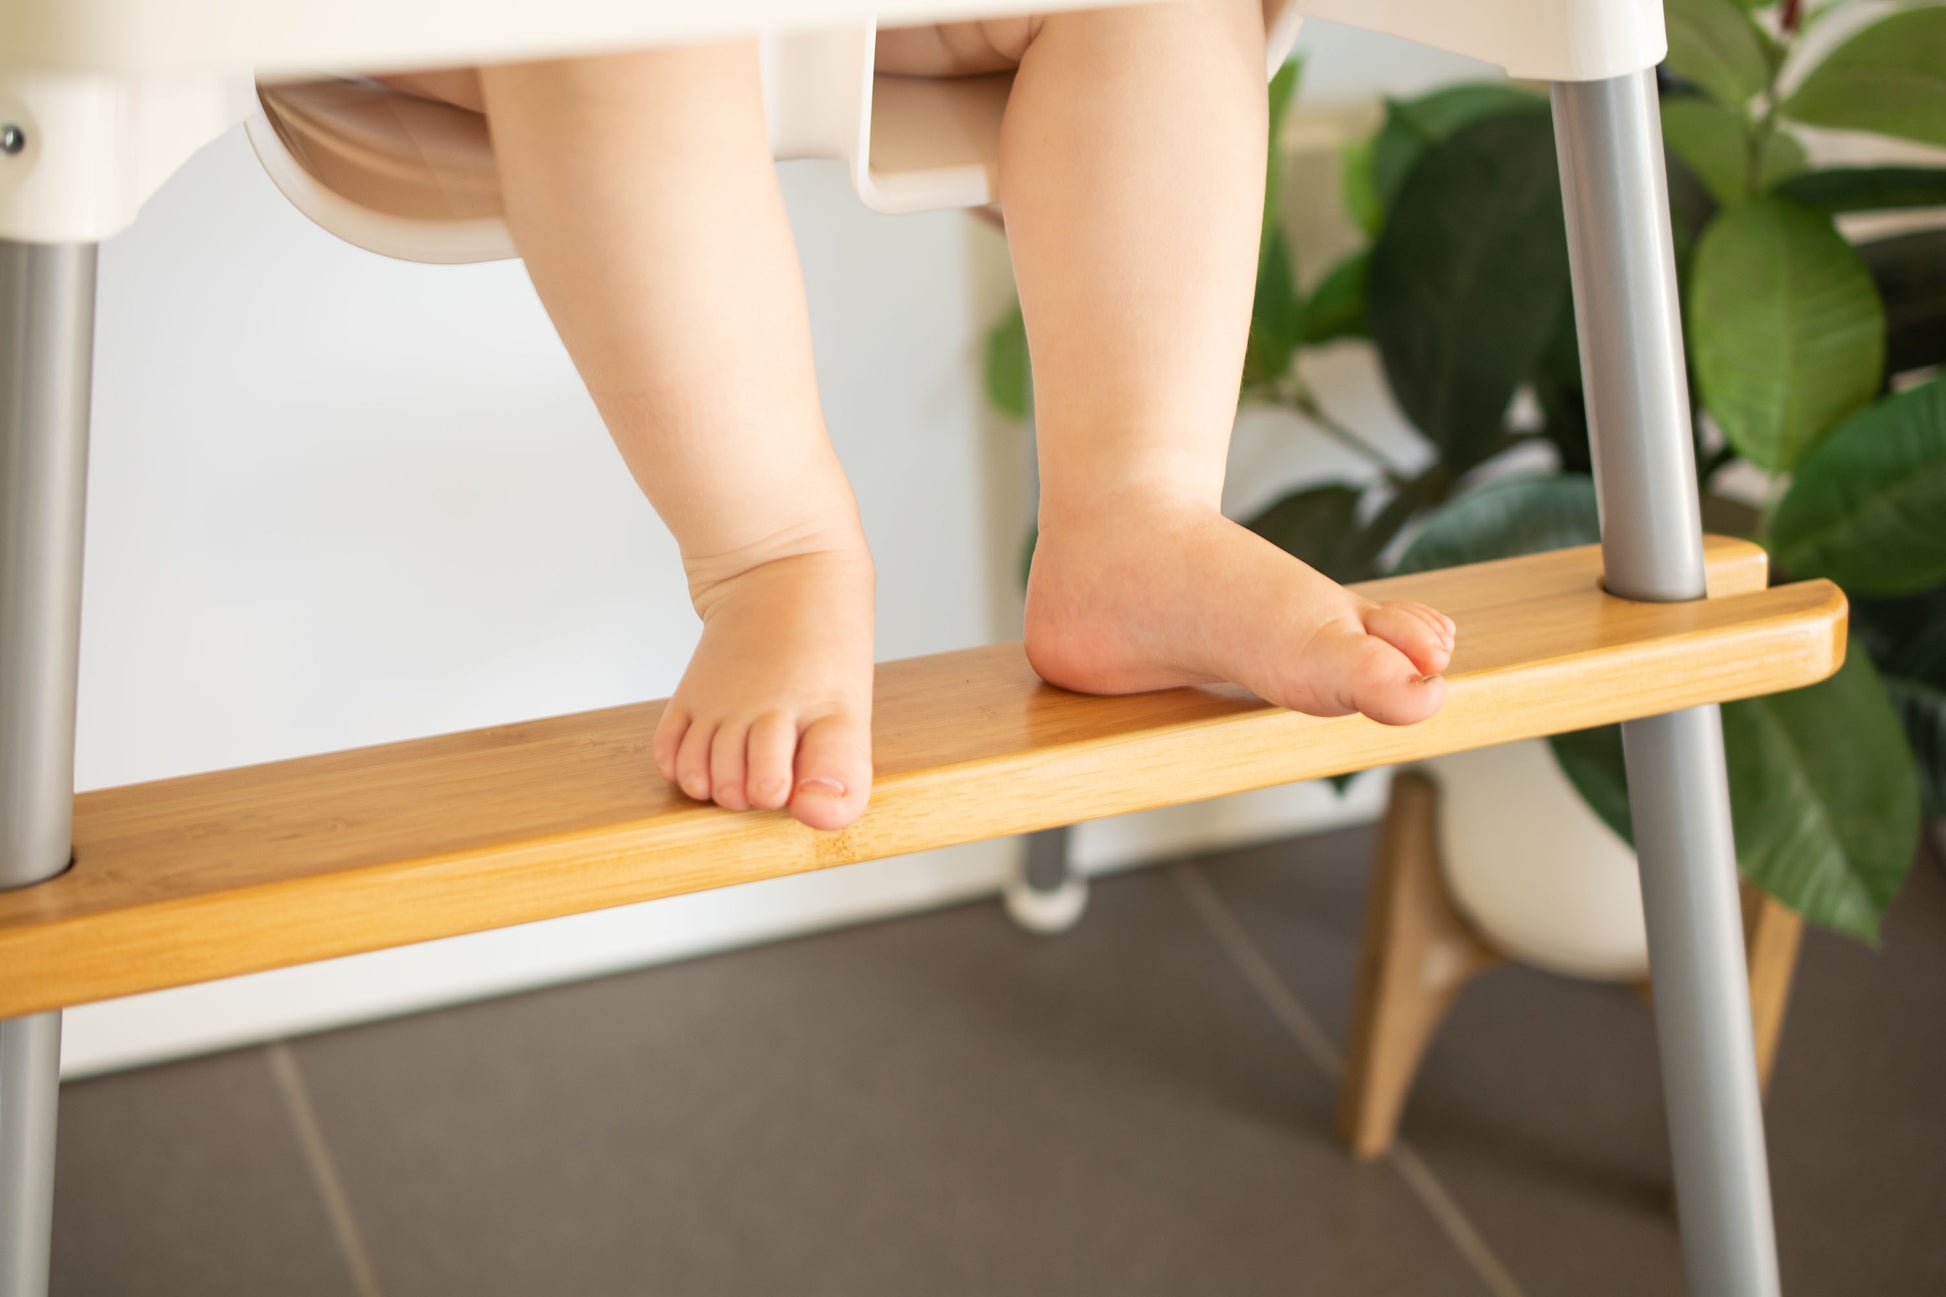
<point>942,1105</point>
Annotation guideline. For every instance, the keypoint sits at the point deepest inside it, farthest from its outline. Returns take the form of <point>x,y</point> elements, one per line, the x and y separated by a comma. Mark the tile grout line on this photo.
<point>1315,1043</point>
<point>324,1173</point>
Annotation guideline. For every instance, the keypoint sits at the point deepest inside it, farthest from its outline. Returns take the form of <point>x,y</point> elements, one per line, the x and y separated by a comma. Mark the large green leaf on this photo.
<point>1276,313</point>
<point>1821,792</point>
<point>1867,189</point>
<point>1907,639</point>
<point>1691,209</point>
<point>1867,508</point>
<point>1467,280</point>
<point>1592,761</point>
<point>1283,90</point>
<point>1716,45</point>
<point>1336,308</point>
<point>1319,525</point>
<point>1009,381</point>
<point>1413,125</point>
<point>1517,515</point>
<point>1913,665</point>
<point>1360,191</point>
<point>1889,77</point>
<point>1785,329</point>
<point>1910,273</point>
<point>1921,705</point>
<point>1825,799</point>
<point>1715,143</point>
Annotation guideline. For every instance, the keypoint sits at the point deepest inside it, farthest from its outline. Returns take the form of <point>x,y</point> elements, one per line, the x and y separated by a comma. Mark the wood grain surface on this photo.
<point>188,879</point>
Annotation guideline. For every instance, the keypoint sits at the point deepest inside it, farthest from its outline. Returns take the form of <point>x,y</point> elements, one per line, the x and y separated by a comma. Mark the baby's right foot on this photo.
<point>775,708</point>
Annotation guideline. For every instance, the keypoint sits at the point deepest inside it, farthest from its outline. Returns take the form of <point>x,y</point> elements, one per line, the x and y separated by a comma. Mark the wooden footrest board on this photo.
<point>205,876</point>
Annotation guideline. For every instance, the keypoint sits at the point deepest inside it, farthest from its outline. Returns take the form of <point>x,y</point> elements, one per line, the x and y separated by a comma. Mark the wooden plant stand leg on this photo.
<point>1772,932</point>
<point>1416,954</point>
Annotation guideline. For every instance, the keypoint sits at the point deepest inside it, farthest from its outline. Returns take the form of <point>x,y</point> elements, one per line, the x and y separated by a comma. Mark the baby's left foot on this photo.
<point>1143,593</point>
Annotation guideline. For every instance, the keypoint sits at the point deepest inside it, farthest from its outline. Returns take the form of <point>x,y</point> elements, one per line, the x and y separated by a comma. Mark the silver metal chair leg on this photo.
<point>1614,185</point>
<point>47,303</point>
<point>1046,893</point>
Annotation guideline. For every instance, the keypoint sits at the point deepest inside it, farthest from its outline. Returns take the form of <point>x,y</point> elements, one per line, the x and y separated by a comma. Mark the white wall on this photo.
<point>337,500</point>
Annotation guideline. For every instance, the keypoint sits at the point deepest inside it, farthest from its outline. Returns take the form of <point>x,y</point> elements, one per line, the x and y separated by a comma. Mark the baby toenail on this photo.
<point>820,784</point>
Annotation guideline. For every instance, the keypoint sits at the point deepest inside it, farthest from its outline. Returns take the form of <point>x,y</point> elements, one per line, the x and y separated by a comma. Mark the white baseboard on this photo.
<point>163,1025</point>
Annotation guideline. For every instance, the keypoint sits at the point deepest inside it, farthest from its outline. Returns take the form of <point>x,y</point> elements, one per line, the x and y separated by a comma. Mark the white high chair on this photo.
<point>213,875</point>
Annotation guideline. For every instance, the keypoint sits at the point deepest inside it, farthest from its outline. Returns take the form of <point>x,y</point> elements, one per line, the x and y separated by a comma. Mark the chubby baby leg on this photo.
<point>640,192</point>
<point>1132,173</point>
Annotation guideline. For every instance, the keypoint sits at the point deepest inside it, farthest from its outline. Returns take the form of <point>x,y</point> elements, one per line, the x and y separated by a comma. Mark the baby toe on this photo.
<point>1412,633</point>
<point>769,751</point>
<point>726,767</point>
<point>834,772</point>
<point>1383,684</point>
<point>669,732</point>
<point>692,760</point>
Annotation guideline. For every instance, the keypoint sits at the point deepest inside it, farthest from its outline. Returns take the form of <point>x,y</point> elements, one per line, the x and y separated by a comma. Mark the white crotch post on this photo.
<point>47,295</point>
<point>1608,135</point>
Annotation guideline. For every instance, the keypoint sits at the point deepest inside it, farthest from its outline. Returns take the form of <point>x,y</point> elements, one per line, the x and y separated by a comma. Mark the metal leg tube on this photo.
<point>1615,189</point>
<point>1047,894</point>
<point>47,295</point>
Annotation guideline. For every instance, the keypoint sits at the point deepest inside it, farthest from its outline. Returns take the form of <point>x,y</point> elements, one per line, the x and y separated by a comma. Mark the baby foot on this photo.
<point>775,707</point>
<point>1153,594</point>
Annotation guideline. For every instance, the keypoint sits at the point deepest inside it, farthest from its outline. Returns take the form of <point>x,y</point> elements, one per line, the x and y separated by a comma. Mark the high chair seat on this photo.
<point>416,179</point>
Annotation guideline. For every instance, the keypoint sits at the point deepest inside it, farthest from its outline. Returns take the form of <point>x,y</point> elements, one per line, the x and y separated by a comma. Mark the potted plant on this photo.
<point>1813,368</point>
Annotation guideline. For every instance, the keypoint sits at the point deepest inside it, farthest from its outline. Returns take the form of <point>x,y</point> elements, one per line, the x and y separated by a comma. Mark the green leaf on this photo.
<point>1557,390</point>
<point>1009,380</point>
<point>1691,209</point>
<point>1907,641</point>
<point>1519,515</point>
<point>1283,89</point>
<point>1467,280</point>
<point>1785,329</point>
<point>1390,520</point>
<point>1276,314</point>
<point>1715,143</point>
<point>1337,305</point>
<point>1824,797</point>
<point>1867,189</point>
<point>1910,272</point>
<point>1821,795</point>
<point>1716,45</point>
<point>1921,705</point>
<point>1592,761</point>
<point>1889,77</point>
<point>1413,125</point>
<point>1319,525</point>
<point>1359,189</point>
<point>1867,508</point>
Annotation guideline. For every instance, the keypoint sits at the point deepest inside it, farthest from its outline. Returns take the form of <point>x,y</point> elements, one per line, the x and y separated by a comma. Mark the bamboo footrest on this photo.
<point>205,876</point>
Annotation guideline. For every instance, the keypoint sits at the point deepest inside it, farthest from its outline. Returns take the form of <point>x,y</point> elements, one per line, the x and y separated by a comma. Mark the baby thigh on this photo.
<point>957,49</point>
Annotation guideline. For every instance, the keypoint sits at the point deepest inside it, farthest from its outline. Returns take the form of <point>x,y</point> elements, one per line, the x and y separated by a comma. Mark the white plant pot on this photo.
<point>1533,869</point>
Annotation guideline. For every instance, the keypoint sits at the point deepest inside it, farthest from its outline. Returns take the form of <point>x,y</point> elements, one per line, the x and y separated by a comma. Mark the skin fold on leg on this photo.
<point>640,192</point>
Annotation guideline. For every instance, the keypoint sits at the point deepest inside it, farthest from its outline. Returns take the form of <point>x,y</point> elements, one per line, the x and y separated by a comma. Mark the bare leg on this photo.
<point>1131,171</point>
<point>640,191</point>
